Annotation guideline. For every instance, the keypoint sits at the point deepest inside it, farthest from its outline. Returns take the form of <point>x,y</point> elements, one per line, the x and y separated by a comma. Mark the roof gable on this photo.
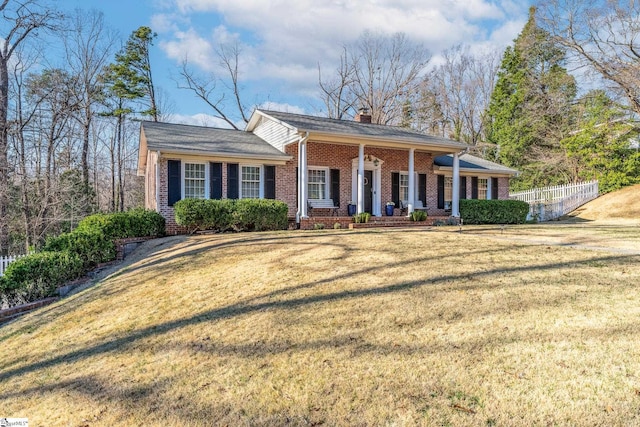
<point>355,130</point>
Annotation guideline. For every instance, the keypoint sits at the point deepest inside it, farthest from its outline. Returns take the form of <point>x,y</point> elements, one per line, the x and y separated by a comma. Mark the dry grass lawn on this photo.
<point>392,327</point>
<point>619,205</point>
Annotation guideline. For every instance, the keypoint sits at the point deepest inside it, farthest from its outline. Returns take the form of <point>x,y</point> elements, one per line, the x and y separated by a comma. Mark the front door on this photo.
<point>368,192</point>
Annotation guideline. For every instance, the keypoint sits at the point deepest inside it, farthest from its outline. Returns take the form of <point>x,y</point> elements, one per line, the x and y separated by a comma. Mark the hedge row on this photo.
<point>71,255</point>
<point>228,214</point>
<point>474,211</point>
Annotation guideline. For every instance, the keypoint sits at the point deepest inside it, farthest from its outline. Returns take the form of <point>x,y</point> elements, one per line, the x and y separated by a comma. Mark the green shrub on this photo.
<point>336,226</point>
<point>238,215</point>
<point>361,218</point>
<point>69,255</point>
<point>121,225</point>
<point>38,276</point>
<point>418,216</point>
<point>493,211</point>
<point>89,245</point>
<point>260,215</point>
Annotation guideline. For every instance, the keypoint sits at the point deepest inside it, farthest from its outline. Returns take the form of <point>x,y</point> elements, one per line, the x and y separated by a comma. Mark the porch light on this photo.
<point>376,162</point>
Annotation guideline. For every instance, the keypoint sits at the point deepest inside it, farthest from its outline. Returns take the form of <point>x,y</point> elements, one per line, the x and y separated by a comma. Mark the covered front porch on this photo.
<point>344,179</point>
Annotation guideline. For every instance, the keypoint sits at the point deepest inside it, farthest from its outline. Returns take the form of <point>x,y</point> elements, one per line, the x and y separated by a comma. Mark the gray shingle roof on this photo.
<point>177,138</point>
<point>306,123</point>
<point>467,161</point>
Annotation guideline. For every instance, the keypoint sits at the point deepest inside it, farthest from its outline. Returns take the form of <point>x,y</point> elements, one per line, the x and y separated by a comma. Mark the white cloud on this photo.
<point>284,40</point>
<point>167,22</point>
<point>200,119</point>
<point>283,107</point>
<point>189,45</point>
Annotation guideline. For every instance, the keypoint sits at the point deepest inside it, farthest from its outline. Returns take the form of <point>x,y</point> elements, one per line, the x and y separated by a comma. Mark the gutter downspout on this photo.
<point>302,141</point>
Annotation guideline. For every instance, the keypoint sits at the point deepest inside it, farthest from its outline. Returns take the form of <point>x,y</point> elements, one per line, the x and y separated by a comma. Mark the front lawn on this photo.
<point>374,327</point>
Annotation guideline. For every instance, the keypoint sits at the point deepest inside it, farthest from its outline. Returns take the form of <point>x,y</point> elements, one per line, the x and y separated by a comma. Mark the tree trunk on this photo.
<point>4,160</point>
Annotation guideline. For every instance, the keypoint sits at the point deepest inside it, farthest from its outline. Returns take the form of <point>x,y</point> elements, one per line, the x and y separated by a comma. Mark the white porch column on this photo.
<point>304,187</point>
<point>412,181</point>
<point>455,197</point>
<point>361,179</point>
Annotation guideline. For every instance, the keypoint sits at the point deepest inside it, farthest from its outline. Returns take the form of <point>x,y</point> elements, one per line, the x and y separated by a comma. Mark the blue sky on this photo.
<point>283,41</point>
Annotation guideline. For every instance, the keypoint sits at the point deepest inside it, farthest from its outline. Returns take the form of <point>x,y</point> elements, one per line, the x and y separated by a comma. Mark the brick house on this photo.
<point>317,166</point>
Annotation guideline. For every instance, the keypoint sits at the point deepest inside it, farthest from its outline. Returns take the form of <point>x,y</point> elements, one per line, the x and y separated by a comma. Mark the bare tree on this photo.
<point>216,90</point>
<point>456,93</point>
<point>88,47</point>
<point>378,72</point>
<point>603,36</point>
<point>335,91</point>
<point>21,117</point>
<point>19,21</point>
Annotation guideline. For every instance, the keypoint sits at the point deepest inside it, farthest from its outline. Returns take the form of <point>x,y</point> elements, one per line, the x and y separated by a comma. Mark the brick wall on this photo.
<point>333,156</point>
<point>340,157</point>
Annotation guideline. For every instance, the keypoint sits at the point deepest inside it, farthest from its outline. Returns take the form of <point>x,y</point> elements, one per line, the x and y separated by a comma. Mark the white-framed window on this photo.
<point>482,188</point>
<point>250,179</point>
<point>448,191</point>
<point>318,183</point>
<point>404,186</point>
<point>195,180</point>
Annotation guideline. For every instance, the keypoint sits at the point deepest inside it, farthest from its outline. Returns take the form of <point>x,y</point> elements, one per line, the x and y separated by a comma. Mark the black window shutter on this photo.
<point>297,186</point>
<point>395,188</point>
<point>269,182</point>
<point>422,188</point>
<point>216,181</point>
<point>232,181</point>
<point>463,187</point>
<point>474,187</point>
<point>494,188</point>
<point>335,187</point>
<point>174,181</point>
<point>440,191</point>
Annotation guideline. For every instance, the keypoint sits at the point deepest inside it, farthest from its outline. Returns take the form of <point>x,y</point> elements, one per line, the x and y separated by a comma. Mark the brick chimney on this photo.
<point>363,115</point>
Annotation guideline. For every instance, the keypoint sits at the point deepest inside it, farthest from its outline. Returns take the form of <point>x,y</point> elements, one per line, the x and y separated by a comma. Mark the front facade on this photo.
<point>308,161</point>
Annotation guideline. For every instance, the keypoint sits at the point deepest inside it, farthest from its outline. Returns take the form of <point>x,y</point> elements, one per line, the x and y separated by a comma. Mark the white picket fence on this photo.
<point>549,203</point>
<point>6,260</point>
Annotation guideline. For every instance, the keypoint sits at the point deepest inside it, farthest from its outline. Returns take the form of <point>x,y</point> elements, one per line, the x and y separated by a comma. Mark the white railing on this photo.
<point>6,260</point>
<point>550,203</point>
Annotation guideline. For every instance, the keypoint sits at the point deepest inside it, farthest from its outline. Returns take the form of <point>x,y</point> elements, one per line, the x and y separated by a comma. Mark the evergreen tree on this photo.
<point>128,79</point>
<point>605,146</point>
<point>527,115</point>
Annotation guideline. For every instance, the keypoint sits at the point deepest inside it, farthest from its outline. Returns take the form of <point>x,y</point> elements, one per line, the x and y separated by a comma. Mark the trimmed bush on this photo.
<point>70,255</point>
<point>201,214</point>
<point>38,276</point>
<point>90,245</point>
<point>121,225</point>
<point>238,215</point>
<point>493,211</point>
<point>259,215</point>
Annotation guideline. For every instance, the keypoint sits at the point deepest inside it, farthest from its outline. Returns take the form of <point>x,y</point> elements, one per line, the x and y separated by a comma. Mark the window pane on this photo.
<point>194,180</point>
<point>448,188</point>
<point>482,188</point>
<point>404,186</point>
<point>317,184</point>
<point>250,182</point>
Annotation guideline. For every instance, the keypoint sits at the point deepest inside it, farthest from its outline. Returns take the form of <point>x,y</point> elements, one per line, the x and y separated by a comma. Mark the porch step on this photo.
<point>397,223</point>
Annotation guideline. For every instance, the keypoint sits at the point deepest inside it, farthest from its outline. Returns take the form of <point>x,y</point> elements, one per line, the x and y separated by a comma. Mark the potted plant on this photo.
<point>351,208</point>
<point>389,208</point>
